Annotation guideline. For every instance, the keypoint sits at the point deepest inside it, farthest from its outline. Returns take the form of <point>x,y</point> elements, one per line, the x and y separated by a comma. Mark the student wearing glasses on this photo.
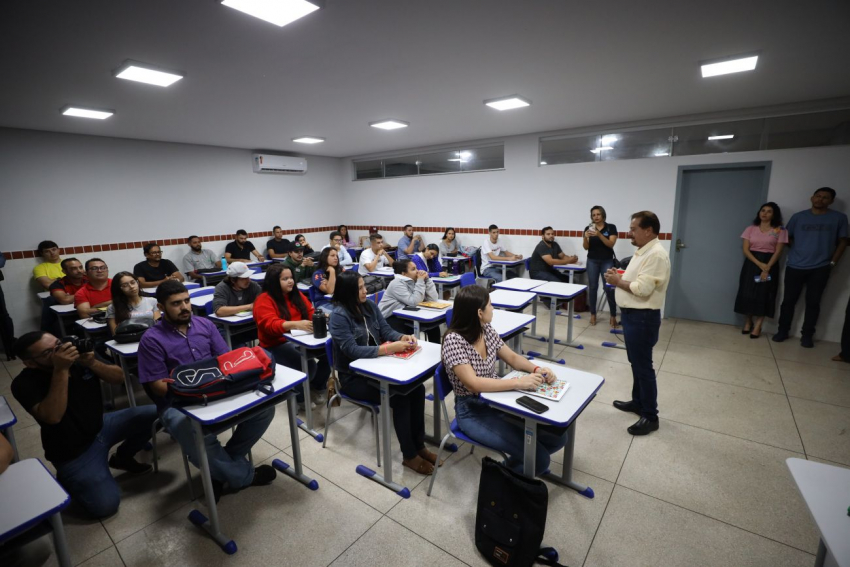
<point>155,270</point>
<point>127,303</point>
<point>95,293</point>
<point>337,242</point>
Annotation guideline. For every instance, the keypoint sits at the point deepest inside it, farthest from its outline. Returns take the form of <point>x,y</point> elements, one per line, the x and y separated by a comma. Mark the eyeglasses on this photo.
<point>45,352</point>
<point>98,268</point>
<point>337,239</point>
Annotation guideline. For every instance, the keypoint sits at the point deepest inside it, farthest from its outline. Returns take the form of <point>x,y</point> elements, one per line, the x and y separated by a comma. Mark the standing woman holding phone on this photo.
<point>599,240</point>
<point>763,242</point>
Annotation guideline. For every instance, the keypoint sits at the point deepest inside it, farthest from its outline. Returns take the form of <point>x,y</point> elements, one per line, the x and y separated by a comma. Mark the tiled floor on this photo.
<point>710,488</point>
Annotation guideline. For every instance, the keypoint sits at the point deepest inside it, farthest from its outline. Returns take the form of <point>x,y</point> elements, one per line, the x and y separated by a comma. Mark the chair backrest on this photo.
<point>466,279</point>
<point>354,267</point>
<point>528,264</point>
<point>209,308</point>
<point>476,261</point>
<point>449,313</point>
<point>441,382</point>
<point>329,350</point>
<point>378,297</point>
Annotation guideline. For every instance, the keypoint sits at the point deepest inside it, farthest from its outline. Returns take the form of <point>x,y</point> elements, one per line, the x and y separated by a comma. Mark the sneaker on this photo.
<point>807,342</point>
<point>218,489</point>
<point>263,475</point>
<point>130,465</point>
<point>319,397</point>
<point>780,336</point>
<point>302,408</point>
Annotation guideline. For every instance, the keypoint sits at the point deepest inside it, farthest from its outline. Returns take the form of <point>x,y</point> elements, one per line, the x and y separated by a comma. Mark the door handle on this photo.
<point>679,244</point>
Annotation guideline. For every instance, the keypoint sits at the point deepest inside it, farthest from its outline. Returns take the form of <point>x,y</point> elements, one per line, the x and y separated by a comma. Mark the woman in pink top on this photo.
<point>763,244</point>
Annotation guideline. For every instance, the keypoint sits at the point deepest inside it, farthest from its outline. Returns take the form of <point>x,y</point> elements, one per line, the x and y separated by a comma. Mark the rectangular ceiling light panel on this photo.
<point>308,140</point>
<point>722,137</point>
<point>277,12</point>
<point>141,73</point>
<point>737,65</point>
<point>87,112</point>
<point>389,124</point>
<point>508,103</point>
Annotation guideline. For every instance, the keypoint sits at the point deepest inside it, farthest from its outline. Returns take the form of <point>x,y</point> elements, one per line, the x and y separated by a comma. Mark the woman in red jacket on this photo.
<point>282,308</point>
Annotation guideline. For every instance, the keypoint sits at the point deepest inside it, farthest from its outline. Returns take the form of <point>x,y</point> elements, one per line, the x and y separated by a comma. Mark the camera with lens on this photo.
<point>83,345</point>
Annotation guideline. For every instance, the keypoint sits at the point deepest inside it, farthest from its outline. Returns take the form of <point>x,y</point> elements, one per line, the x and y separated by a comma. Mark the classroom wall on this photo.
<point>105,197</point>
<point>526,197</point>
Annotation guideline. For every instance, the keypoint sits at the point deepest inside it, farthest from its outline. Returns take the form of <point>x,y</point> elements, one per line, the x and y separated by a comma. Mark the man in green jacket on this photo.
<point>302,268</point>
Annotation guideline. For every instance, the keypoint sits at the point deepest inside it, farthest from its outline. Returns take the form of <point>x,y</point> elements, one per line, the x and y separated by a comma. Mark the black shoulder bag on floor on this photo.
<point>511,518</point>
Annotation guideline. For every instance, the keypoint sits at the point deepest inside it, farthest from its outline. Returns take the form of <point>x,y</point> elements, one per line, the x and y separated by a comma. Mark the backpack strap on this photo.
<point>548,556</point>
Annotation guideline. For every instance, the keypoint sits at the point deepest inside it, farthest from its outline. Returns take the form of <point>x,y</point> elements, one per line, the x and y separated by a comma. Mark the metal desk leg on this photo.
<point>128,383</point>
<point>308,411</point>
<point>59,541</point>
<point>534,334</point>
<point>211,525</point>
<point>566,478</point>
<point>530,451</point>
<point>10,436</point>
<point>551,342</point>
<point>298,473</point>
<point>612,344</point>
<point>61,317</point>
<point>387,478</point>
<point>570,342</point>
<point>227,337</point>
<point>504,272</point>
<point>416,329</point>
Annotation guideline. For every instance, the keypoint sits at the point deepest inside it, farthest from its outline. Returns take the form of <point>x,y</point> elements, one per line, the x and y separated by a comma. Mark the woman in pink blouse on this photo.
<point>763,244</point>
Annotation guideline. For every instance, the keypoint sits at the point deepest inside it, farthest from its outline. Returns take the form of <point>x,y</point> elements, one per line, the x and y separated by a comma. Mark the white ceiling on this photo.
<point>250,84</point>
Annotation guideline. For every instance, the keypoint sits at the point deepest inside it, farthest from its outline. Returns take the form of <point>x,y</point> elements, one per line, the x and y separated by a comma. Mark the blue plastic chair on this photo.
<point>442,386</point>
<point>378,297</point>
<point>466,279</point>
<point>374,408</point>
<point>449,313</point>
<point>209,308</point>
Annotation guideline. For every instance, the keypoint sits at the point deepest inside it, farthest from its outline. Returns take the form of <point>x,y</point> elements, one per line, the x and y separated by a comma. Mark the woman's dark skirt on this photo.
<point>757,299</point>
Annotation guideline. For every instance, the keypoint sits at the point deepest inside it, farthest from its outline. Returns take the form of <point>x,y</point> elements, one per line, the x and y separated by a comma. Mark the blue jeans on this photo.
<point>87,478</point>
<point>502,432</point>
<point>640,330</point>
<point>495,273</point>
<point>595,271</point>
<point>228,463</point>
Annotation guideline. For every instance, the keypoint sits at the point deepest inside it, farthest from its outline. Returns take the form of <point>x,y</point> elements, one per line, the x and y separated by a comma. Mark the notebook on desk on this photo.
<point>554,391</point>
<point>434,304</point>
<point>404,355</point>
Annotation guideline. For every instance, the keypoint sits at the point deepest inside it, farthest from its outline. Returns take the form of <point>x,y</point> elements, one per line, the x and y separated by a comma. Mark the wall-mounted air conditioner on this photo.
<point>265,163</point>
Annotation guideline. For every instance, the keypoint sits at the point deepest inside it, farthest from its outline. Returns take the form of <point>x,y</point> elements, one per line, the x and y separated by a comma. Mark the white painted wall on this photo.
<point>526,195</point>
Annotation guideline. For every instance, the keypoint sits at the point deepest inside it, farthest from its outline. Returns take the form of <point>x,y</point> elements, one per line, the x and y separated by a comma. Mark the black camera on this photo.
<point>83,345</point>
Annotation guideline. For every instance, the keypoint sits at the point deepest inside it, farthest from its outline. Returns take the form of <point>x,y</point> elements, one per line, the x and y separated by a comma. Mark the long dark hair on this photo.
<point>447,232</point>
<point>777,215</point>
<point>119,298</point>
<point>347,294</point>
<point>271,285</point>
<point>345,234</point>
<point>465,321</point>
<point>323,261</point>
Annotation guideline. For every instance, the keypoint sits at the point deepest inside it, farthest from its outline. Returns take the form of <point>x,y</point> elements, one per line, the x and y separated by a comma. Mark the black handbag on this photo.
<point>131,330</point>
<point>511,518</point>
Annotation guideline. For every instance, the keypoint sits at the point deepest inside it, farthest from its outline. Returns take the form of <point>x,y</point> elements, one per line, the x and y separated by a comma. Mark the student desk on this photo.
<point>200,302</point>
<point>583,388</point>
<point>91,329</point>
<point>30,495</point>
<point>511,300</point>
<point>826,492</point>
<point>528,285</point>
<point>307,342</point>
<point>259,277</point>
<point>453,259</point>
<point>243,322</point>
<point>303,287</point>
<point>151,291</point>
<point>7,423</point>
<point>215,277</point>
<point>390,371</point>
<point>125,352</point>
<point>223,414</point>
<point>447,282</point>
<point>65,314</point>
<point>572,269</point>
<point>507,264</point>
<point>510,325</point>
<point>385,272</point>
<point>425,315</point>
<point>555,292</point>
<point>42,295</point>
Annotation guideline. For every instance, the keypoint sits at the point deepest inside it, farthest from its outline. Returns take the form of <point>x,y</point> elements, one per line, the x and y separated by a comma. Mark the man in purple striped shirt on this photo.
<point>177,339</point>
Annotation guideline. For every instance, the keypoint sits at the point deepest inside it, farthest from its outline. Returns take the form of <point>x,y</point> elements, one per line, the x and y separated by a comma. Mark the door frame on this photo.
<point>669,300</point>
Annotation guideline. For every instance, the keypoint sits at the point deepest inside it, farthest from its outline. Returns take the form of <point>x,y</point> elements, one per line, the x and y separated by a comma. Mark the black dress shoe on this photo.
<point>629,406</point>
<point>643,426</point>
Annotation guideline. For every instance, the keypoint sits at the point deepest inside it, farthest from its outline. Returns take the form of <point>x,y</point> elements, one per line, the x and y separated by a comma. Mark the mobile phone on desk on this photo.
<point>410,309</point>
<point>531,404</point>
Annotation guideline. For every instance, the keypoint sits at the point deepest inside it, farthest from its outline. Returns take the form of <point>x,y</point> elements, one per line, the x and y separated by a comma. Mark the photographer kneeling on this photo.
<point>60,387</point>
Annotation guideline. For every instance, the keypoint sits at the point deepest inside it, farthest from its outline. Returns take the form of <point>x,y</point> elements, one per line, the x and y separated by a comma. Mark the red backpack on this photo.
<point>234,372</point>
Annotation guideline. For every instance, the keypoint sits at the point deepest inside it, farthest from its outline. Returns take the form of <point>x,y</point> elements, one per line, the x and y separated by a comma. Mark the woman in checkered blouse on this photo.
<point>470,350</point>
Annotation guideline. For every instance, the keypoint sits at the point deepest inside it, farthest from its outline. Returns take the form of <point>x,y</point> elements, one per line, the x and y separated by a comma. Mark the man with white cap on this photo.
<point>236,292</point>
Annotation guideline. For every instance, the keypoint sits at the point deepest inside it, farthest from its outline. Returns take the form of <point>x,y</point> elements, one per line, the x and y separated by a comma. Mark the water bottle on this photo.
<point>320,324</point>
<point>224,263</point>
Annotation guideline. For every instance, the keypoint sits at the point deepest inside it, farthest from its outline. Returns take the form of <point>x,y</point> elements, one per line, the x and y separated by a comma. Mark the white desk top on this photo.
<point>397,370</point>
<point>385,272</point>
<point>577,267</point>
<point>29,494</point>
<point>251,265</point>
<point>201,291</point>
<point>507,322</point>
<point>303,338</point>
<point>560,290</point>
<point>259,277</point>
<point>64,308</point>
<point>519,284</point>
<point>151,291</point>
<point>454,258</point>
<point>826,491</point>
<point>43,294</point>
<point>90,325</point>
<point>303,286</point>
<point>201,300</point>
<point>511,299</point>
<point>126,349</point>
<point>221,410</point>
<point>508,262</point>
<point>7,416</point>
<point>583,386</point>
<point>424,315</point>
<point>448,279</point>
<point>233,319</point>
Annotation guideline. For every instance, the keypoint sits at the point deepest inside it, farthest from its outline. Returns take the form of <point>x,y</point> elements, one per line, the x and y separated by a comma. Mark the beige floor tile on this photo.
<point>825,429</point>
<point>638,530</point>
<point>278,432</point>
<point>617,375</point>
<point>740,482</point>
<point>819,356</point>
<point>721,337</point>
<point>107,558</point>
<point>447,517</point>
<point>755,415</point>
<point>25,419</point>
<point>390,543</point>
<point>817,383</point>
<point>86,538</point>
<point>722,366</point>
<point>271,525</point>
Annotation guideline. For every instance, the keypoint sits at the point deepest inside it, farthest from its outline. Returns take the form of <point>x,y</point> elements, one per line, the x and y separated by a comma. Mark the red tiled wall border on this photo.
<point>93,248</point>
